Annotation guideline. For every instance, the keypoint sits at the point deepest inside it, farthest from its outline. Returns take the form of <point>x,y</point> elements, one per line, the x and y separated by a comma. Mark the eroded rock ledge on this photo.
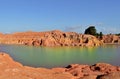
<point>111,39</point>
<point>50,38</point>
<point>9,69</point>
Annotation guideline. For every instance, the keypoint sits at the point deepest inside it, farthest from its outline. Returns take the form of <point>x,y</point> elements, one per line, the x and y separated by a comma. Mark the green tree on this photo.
<point>118,34</point>
<point>91,30</point>
<point>101,35</point>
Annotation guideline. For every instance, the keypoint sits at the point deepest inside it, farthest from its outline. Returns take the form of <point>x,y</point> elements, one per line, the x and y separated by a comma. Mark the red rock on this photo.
<point>103,67</point>
<point>89,77</point>
<point>50,38</point>
<point>111,39</point>
<point>59,70</point>
<point>114,75</point>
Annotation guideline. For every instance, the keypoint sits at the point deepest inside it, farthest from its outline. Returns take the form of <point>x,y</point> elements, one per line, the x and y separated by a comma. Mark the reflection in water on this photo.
<point>62,56</point>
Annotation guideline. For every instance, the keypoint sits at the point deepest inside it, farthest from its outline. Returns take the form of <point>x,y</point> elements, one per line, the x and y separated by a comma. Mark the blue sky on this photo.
<point>65,15</point>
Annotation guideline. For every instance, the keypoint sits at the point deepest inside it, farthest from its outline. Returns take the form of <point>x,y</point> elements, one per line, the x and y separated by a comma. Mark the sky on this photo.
<point>64,15</point>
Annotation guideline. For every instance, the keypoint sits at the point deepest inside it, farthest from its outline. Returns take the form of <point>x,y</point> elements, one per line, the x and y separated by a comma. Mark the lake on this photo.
<point>62,56</point>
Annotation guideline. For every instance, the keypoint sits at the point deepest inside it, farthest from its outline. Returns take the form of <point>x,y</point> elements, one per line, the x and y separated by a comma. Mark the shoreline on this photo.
<point>57,38</point>
<point>11,69</point>
<point>111,43</point>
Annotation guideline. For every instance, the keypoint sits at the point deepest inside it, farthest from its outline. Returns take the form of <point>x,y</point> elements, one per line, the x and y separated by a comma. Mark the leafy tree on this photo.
<point>97,35</point>
<point>91,30</point>
<point>118,34</point>
<point>101,35</point>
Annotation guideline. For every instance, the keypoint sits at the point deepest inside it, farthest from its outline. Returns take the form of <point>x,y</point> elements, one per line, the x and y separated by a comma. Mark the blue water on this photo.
<point>62,56</point>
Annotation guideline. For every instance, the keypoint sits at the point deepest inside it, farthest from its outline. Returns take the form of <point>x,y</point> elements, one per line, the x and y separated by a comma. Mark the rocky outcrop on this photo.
<point>10,69</point>
<point>96,71</point>
<point>112,39</point>
<point>114,75</point>
<point>50,38</point>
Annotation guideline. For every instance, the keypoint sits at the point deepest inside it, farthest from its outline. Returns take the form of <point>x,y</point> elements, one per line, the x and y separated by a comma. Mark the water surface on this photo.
<point>62,56</point>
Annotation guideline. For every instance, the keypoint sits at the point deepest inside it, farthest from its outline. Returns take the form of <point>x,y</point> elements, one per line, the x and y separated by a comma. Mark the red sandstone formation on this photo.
<point>50,38</point>
<point>10,69</point>
<point>113,39</point>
